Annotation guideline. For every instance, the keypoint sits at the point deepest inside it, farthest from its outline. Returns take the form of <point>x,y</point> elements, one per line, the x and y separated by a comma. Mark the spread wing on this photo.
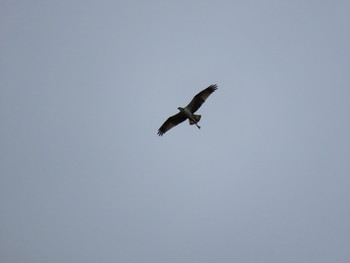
<point>200,98</point>
<point>171,122</point>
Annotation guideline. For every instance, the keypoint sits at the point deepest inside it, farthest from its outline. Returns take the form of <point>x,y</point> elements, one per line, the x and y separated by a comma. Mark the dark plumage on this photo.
<point>188,111</point>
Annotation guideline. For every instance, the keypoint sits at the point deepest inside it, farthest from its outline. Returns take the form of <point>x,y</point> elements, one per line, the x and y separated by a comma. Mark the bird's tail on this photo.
<point>196,117</point>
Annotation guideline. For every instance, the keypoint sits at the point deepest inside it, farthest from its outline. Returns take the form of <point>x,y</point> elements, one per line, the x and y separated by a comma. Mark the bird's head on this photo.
<point>180,109</point>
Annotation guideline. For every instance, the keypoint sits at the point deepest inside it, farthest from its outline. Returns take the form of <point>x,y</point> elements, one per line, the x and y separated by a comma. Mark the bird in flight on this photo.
<point>188,111</point>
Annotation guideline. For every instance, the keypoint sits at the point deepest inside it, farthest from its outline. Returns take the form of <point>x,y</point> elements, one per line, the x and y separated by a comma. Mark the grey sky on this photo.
<point>84,87</point>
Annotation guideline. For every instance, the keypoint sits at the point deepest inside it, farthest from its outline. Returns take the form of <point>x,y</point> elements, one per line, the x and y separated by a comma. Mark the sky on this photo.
<point>84,87</point>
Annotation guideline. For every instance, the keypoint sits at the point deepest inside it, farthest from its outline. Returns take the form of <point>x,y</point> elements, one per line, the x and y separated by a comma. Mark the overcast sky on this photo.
<point>84,86</point>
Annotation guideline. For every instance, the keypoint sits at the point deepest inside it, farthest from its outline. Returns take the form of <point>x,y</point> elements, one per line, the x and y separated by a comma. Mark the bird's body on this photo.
<point>193,118</point>
<point>188,111</point>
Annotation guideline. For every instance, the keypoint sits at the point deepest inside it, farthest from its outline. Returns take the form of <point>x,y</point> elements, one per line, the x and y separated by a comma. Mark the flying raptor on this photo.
<point>188,111</point>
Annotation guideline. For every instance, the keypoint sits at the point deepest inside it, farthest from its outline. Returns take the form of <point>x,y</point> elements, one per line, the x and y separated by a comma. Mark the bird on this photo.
<point>188,111</point>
